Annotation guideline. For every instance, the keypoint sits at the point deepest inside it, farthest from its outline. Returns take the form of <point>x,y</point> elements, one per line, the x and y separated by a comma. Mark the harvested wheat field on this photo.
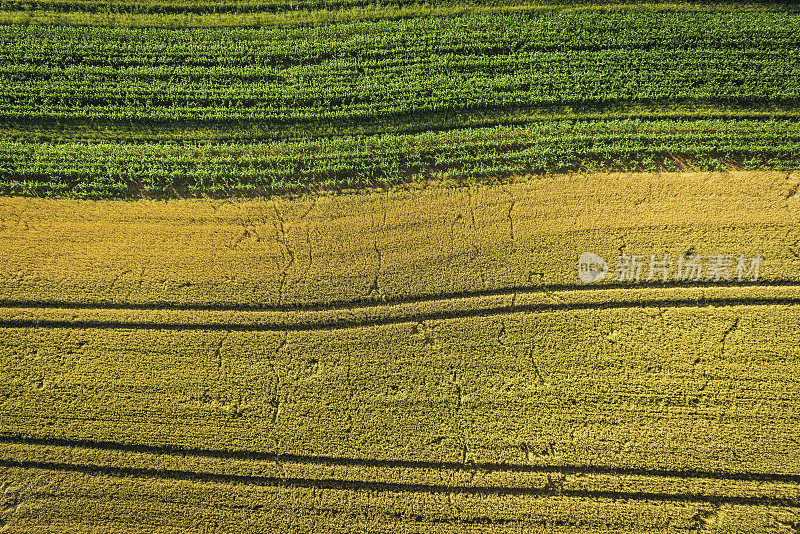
<point>405,361</point>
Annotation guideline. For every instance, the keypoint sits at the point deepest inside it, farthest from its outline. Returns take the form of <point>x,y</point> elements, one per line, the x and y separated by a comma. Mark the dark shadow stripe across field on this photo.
<point>349,305</point>
<point>396,487</point>
<point>279,6</point>
<point>240,127</point>
<point>788,478</point>
<point>343,323</point>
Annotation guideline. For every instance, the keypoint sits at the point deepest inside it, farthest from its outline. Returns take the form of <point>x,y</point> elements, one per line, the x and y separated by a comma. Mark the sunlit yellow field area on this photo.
<point>413,360</point>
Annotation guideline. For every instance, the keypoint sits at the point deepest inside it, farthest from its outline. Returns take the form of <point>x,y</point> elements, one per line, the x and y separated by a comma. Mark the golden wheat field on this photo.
<point>406,361</point>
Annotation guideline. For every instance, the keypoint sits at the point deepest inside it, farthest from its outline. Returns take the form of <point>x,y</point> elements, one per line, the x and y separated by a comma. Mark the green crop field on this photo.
<point>165,99</point>
<point>511,266</point>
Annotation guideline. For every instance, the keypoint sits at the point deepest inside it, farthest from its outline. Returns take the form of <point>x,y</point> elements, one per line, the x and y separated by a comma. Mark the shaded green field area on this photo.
<point>174,14</point>
<point>126,112</point>
<point>457,157</point>
<point>385,7</point>
<point>371,70</point>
